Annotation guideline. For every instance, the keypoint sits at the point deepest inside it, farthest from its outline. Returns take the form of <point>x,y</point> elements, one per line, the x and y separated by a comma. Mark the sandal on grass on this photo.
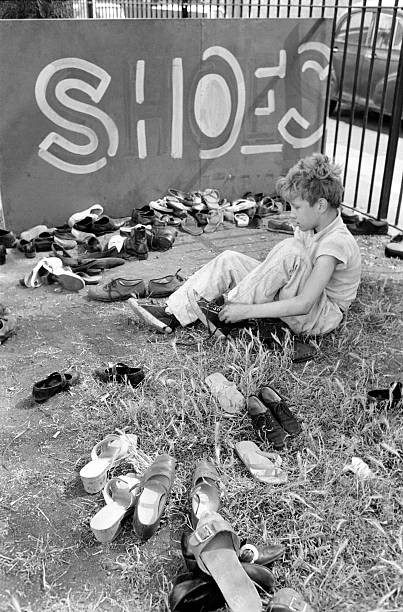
<point>205,493</point>
<point>288,600</point>
<point>215,546</point>
<point>106,454</point>
<point>120,496</point>
<point>263,466</point>
<point>199,593</point>
<point>154,489</point>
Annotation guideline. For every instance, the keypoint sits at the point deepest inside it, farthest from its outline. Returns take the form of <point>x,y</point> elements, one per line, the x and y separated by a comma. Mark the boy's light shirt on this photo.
<point>337,241</point>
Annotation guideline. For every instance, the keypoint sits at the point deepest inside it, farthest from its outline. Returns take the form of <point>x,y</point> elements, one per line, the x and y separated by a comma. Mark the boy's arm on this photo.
<point>299,305</point>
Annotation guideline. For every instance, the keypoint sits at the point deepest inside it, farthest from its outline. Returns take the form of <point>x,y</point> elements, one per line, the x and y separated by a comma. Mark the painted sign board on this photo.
<point>116,112</point>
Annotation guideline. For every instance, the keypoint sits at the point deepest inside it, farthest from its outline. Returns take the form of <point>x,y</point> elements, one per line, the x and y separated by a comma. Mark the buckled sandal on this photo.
<point>154,489</point>
<point>215,546</point>
<point>205,493</point>
<point>164,286</point>
<point>105,455</point>
<point>120,496</point>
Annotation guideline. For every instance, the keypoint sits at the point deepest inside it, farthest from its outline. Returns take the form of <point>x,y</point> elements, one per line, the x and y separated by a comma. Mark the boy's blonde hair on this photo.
<point>312,178</point>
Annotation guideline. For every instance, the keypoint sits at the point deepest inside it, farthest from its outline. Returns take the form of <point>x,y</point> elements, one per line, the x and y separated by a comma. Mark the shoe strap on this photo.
<point>208,527</point>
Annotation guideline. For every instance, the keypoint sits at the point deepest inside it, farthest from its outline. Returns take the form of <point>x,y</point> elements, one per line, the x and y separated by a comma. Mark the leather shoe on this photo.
<point>136,243</point>
<point>118,289</point>
<point>161,238</point>
<point>52,384</point>
<point>205,493</point>
<point>7,238</point>
<point>102,226</point>
<point>164,286</point>
<point>154,490</point>
<point>27,247</point>
<point>261,555</point>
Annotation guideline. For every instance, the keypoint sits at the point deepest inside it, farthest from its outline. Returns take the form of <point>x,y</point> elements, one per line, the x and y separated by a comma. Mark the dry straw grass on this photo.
<point>343,536</point>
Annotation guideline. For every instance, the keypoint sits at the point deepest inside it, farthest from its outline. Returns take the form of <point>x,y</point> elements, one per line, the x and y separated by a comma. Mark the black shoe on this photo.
<point>122,373</point>
<point>136,243</point>
<point>267,428</point>
<point>103,225</point>
<point>85,225</point>
<point>207,312</point>
<point>144,216</point>
<point>3,254</point>
<point>279,409</point>
<point>394,248</point>
<point>368,227</point>
<point>54,383</point>
<point>43,242</point>
<point>387,397</point>
<point>27,247</point>
<point>155,316</point>
<point>161,238</point>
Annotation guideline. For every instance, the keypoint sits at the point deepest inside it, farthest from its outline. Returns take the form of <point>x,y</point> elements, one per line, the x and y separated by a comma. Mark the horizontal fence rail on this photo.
<point>363,129</point>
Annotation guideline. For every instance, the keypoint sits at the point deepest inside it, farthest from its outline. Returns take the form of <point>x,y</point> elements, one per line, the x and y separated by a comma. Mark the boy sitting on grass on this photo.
<point>307,281</point>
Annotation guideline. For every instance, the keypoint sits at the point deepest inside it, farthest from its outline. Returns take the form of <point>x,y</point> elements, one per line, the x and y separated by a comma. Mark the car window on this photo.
<point>384,33</point>
<point>354,27</point>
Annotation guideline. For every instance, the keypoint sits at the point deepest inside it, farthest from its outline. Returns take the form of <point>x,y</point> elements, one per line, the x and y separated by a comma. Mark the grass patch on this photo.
<point>343,537</point>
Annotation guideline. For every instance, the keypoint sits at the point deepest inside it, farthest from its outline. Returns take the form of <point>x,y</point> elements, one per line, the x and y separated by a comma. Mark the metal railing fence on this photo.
<point>364,90</point>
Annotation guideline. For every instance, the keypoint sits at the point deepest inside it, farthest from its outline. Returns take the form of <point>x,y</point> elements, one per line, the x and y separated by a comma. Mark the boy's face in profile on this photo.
<point>303,214</point>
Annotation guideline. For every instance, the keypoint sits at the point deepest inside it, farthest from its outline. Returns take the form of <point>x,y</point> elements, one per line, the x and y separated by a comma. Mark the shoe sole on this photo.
<point>193,297</point>
<point>71,283</point>
<point>148,318</point>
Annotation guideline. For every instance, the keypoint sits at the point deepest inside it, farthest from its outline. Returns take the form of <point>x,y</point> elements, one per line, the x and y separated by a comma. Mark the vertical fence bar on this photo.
<point>90,9</point>
<point>393,140</point>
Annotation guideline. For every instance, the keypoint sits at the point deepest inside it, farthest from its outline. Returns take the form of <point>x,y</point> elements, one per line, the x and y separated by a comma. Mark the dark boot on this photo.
<point>136,243</point>
<point>3,253</point>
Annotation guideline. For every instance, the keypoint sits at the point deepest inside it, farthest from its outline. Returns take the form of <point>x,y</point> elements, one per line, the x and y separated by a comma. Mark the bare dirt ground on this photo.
<point>48,556</point>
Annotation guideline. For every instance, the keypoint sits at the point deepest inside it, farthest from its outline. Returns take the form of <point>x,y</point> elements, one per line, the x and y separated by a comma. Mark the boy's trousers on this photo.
<point>280,276</point>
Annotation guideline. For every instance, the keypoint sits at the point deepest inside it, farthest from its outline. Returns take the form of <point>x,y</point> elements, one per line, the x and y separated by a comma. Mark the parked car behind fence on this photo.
<point>366,41</point>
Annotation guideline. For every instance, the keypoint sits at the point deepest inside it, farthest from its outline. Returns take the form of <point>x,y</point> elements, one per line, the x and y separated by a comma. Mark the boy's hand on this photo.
<point>232,313</point>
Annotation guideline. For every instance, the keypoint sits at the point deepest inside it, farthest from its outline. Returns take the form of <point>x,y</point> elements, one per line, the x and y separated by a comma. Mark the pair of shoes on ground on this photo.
<point>119,289</point>
<point>121,373</point>
<point>271,418</point>
<point>62,381</point>
<point>145,497</point>
<point>97,227</point>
